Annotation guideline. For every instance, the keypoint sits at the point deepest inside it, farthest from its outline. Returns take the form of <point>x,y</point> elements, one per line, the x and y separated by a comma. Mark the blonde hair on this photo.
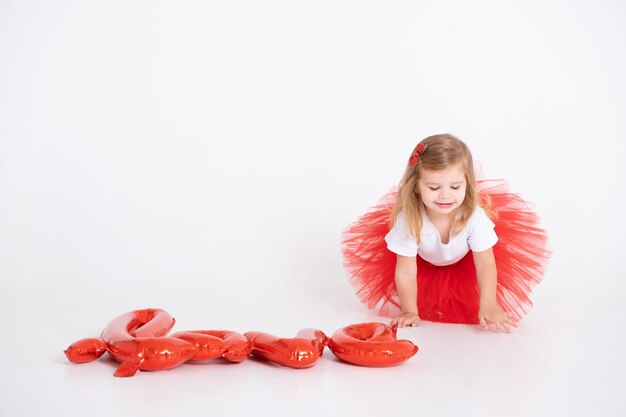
<point>440,152</point>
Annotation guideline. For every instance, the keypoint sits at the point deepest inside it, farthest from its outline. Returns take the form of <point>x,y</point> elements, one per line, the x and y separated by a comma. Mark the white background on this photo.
<point>203,157</point>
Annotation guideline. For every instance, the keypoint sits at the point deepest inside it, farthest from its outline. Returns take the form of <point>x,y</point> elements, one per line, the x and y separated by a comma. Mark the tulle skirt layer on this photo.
<point>450,293</point>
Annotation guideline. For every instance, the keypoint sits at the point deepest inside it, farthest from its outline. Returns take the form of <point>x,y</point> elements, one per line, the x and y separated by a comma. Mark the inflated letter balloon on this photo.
<point>370,344</point>
<point>212,344</point>
<point>135,340</point>
<point>300,352</point>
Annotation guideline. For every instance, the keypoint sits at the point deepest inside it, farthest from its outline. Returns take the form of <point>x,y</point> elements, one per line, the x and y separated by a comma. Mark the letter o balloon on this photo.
<point>370,344</point>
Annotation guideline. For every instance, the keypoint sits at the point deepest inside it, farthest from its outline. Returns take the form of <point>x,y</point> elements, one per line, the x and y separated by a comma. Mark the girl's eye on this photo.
<point>434,188</point>
<point>456,188</point>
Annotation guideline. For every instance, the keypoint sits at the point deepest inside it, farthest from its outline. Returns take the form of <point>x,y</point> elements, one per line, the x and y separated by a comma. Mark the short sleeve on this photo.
<point>481,234</point>
<point>400,241</point>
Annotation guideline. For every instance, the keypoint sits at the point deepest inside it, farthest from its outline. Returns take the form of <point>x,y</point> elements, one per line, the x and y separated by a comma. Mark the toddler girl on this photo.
<point>445,247</point>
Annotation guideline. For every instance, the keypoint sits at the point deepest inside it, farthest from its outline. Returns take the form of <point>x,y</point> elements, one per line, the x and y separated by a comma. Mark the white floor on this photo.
<point>203,157</point>
<point>567,357</point>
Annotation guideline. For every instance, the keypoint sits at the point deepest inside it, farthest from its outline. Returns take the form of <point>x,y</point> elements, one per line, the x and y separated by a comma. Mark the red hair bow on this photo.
<point>417,152</point>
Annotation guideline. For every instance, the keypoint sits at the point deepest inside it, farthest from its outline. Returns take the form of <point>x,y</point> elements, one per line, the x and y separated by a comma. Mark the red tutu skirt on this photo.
<point>450,293</point>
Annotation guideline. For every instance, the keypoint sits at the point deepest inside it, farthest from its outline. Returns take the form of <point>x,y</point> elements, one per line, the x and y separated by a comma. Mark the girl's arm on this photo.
<point>486,274</point>
<point>406,283</point>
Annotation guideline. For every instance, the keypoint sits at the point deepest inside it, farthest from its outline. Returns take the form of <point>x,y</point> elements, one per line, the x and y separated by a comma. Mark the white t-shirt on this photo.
<point>477,235</point>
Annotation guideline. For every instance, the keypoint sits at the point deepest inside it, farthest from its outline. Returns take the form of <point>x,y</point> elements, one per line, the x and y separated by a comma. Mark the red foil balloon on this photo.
<point>302,351</point>
<point>370,344</point>
<point>136,340</point>
<point>85,350</point>
<point>212,344</point>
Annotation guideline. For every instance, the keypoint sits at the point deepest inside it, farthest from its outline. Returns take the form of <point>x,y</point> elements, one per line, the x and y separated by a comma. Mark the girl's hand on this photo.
<point>491,314</point>
<point>407,319</point>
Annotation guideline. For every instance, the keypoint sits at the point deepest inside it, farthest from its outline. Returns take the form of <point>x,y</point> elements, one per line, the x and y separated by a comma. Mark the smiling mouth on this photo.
<point>444,204</point>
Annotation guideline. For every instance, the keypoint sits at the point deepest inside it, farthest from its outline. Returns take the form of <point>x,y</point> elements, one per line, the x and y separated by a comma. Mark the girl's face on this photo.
<point>442,191</point>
